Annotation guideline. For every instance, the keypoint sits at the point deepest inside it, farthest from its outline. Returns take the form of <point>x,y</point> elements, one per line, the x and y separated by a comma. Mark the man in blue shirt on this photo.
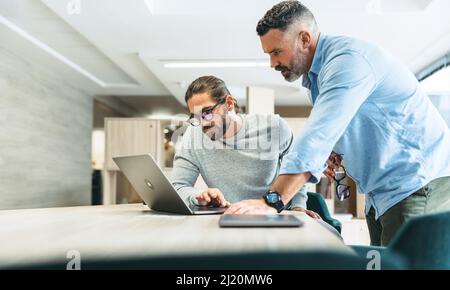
<point>368,109</point>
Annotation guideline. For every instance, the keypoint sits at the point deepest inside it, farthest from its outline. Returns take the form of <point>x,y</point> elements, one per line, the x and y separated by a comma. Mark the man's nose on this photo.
<point>273,62</point>
<point>205,123</point>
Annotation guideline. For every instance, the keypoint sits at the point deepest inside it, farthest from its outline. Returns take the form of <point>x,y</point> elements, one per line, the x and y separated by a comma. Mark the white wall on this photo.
<point>260,100</point>
<point>45,137</point>
<point>98,149</point>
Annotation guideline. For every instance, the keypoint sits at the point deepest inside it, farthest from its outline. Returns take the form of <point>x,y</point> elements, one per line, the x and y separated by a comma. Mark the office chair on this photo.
<point>423,242</point>
<point>317,203</point>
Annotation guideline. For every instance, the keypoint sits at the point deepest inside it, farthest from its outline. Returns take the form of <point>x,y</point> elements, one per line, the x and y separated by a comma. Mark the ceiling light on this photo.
<point>216,64</point>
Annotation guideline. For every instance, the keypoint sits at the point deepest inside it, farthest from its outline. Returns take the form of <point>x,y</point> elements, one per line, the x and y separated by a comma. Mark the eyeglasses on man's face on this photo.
<point>206,114</point>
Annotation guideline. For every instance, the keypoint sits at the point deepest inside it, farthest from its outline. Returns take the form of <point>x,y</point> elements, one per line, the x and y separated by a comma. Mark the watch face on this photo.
<point>273,197</point>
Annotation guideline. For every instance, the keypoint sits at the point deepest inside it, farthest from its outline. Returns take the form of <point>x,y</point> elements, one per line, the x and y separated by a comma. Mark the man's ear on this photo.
<point>230,103</point>
<point>304,39</point>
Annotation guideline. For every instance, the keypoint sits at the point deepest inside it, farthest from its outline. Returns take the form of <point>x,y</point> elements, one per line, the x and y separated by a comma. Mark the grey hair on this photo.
<point>282,15</point>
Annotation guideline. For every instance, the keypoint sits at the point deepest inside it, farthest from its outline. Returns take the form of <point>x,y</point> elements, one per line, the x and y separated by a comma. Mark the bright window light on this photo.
<point>439,82</point>
<point>149,4</point>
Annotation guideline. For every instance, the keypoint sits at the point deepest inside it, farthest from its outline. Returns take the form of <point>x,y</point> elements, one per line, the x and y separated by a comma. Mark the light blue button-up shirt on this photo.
<point>369,107</point>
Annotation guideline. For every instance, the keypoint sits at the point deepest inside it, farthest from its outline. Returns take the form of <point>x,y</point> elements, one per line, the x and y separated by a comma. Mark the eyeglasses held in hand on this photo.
<point>342,190</point>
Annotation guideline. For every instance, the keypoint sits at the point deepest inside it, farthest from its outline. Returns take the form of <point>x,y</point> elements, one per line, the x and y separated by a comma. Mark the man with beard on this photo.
<point>368,108</point>
<point>237,155</point>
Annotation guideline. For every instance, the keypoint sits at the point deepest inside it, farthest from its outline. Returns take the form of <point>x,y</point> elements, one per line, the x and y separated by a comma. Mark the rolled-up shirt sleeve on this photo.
<point>344,83</point>
<point>286,138</point>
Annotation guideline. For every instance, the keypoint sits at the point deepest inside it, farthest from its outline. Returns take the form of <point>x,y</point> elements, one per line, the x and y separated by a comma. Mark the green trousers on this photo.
<point>433,197</point>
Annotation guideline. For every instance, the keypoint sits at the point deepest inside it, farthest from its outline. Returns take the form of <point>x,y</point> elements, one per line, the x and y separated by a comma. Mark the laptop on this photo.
<point>154,187</point>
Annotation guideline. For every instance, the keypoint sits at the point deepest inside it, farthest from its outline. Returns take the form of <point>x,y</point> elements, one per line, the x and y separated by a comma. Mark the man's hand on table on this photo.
<point>259,206</point>
<point>308,212</point>
<point>251,206</point>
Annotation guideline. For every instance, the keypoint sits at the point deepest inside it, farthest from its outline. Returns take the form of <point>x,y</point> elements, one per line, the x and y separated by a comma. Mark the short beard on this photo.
<point>226,122</point>
<point>297,68</point>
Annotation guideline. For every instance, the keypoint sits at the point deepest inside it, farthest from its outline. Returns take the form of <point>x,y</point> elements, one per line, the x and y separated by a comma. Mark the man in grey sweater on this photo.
<point>237,155</point>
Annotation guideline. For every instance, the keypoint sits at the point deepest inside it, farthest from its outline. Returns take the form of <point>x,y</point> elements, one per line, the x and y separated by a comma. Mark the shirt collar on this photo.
<point>306,82</point>
<point>317,59</point>
<point>316,64</point>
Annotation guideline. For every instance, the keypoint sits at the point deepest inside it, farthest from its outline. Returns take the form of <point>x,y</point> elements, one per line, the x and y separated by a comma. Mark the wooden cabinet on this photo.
<point>132,136</point>
<point>129,136</point>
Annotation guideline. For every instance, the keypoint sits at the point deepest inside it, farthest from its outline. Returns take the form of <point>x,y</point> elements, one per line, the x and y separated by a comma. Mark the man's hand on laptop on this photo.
<point>212,196</point>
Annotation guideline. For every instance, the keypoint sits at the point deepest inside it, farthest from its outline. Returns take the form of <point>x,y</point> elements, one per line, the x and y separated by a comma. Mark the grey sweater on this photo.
<point>242,167</point>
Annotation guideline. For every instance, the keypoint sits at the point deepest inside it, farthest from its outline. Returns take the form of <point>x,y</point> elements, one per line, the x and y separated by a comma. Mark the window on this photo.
<point>437,86</point>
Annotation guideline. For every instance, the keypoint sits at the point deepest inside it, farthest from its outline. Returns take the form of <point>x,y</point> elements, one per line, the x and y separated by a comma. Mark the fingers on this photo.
<point>331,164</point>
<point>329,172</point>
<point>237,208</point>
<point>243,210</point>
<point>246,207</point>
<point>334,160</point>
<point>212,196</point>
<point>313,214</point>
<point>218,197</point>
<point>201,199</point>
<point>232,209</point>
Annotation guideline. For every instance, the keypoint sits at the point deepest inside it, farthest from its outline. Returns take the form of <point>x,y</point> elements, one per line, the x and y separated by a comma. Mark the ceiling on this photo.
<point>117,45</point>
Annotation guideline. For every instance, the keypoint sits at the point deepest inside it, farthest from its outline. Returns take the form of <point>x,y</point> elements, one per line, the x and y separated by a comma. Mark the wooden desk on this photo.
<point>100,232</point>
